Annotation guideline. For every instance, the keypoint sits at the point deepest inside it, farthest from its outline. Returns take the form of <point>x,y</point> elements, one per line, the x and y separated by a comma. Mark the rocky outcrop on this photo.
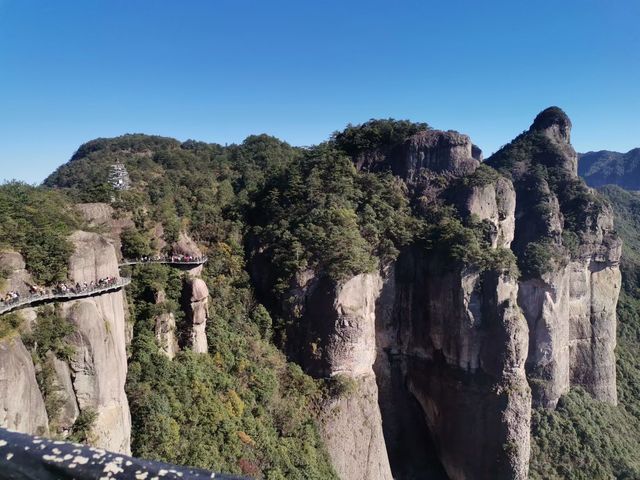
<point>427,152</point>
<point>570,307</point>
<point>186,246</point>
<point>438,152</point>
<point>197,295</point>
<point>165,331</point>
<point>17,277</point>
<point>351,427</point>
<point>572,322</point>
<point>495,202</point>
<point>336,338</point>
<point>165,328</point>
<point>103,216</point>
<point>21,403</point>
<point>463,347</point>
<point>63,386</point>
<point>459,341</point>
<point>99,364</point>
<point>554,124</point>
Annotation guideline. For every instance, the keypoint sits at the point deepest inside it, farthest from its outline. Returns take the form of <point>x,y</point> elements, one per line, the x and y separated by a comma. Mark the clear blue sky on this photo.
<point>219,70</point>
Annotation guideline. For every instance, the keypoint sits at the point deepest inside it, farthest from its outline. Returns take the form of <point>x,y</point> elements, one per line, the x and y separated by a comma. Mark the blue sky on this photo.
<point>219,70</point>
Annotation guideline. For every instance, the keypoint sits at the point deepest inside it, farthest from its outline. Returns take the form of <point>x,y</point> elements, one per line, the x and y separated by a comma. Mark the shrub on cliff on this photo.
<point>36,222</point>
<point>376,134</point>
<point>135,244</point>
<point>322,214</point>
<point>241,408</point>
<point>467,245</point>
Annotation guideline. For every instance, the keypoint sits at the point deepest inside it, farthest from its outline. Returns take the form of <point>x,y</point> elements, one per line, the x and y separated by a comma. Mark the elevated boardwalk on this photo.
<point>176,261</point>
<point>30,300</point>
<point>72,294</point>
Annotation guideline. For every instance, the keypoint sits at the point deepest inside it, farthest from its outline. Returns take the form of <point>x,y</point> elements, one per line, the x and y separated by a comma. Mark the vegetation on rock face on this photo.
<point>9,325</point>
<point>46,341</point>
<point>135,244</point>
<point>465,243</point>
<point>584,438</point>
<point>242,408</point>
<point>36,222</point>
<point>323,215</point>
<point>559,211</point>
<point>375,135</point>
<point>551,116</point>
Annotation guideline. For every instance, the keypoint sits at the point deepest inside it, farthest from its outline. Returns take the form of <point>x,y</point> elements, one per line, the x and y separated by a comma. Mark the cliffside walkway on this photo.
<point>71,294</point>
<point>173,260</point>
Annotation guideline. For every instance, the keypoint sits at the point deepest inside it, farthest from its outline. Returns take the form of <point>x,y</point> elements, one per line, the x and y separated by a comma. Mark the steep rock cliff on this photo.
<point>94,377</point>
<point>99,366</point>
<point>21,403</point>
<point>569,301</point>
<point>335,337</point>
<point>425,152</point>
<point>461,341</point>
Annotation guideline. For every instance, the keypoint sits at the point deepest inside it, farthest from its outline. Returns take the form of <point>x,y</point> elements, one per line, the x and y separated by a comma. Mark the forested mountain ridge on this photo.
<point>382,304</point>
<point>605,167</point>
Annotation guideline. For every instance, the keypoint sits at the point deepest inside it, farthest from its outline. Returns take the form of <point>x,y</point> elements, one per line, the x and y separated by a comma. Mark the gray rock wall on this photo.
<point>337,338</point>
<point>95,376</point>
<point>21,403</point>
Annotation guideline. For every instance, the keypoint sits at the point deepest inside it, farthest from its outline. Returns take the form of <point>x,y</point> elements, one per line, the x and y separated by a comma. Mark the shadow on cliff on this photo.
<point>412,453</point>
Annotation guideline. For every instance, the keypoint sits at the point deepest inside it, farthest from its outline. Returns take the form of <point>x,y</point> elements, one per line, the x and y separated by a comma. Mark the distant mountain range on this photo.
<point>605,167</point>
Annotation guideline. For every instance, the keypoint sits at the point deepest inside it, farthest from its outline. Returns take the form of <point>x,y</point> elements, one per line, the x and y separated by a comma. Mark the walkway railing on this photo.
<point>171,260</point>
<point>24,456</point>
<point>57,295</point>
<point>72,293</point>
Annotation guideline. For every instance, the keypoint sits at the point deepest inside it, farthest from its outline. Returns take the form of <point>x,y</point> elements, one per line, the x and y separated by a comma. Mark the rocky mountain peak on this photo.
<point>554,123</point>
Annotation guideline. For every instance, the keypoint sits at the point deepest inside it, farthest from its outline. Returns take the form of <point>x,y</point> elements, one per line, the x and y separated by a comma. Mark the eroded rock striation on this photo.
<point>99,365</point>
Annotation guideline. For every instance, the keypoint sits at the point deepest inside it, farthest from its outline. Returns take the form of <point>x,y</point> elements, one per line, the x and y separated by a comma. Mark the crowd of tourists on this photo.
<point>178,258</point>
<point>11,298</point>
<point>62,288</point>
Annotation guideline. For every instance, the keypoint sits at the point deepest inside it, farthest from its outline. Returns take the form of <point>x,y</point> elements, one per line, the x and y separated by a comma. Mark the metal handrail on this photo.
<point>6,307</point>
<point>172,260</point>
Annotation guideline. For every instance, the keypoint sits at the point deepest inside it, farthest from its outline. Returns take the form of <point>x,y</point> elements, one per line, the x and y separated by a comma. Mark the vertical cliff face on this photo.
<point>435,151</point>
<point>463,344</point>
<point>569,298</point>
<point>462,341</point>
<point>459,340</point>
<point>335,337</point>
<point>21,403</point>
<point>93,379</point>
<point>98,367</point>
